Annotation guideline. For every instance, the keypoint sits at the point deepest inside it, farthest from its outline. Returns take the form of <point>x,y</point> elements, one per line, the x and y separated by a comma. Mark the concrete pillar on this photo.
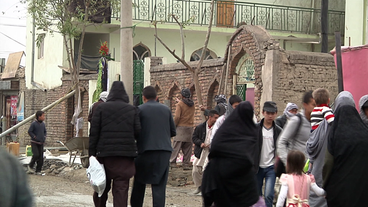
<point>355,22</point>
<point>147,74</point>
<point>126,47</point>
<point>269,77</point>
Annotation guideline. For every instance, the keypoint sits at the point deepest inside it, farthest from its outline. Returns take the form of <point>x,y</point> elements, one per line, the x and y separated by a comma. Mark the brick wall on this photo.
<point>170,79</point>
<point>58,118</point>
<point>295,72</point>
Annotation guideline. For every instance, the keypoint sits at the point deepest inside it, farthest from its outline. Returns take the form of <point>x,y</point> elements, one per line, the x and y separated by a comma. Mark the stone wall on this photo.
<point>299,72</point>
<point>58,118</point>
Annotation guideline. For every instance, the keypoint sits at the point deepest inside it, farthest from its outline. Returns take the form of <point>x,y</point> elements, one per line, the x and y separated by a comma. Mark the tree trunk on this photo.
<point>198,90</point>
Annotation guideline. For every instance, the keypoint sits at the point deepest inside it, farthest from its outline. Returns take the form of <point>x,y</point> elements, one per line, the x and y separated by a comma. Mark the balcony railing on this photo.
<point>234,13</point>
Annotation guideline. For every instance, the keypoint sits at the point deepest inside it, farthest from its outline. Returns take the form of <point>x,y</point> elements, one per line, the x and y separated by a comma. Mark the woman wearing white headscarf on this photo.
<point>290,110</point>
<point>294,135</point>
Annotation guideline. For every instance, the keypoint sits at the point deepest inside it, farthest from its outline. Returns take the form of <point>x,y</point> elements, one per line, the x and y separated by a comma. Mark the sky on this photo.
<point>12,27</point>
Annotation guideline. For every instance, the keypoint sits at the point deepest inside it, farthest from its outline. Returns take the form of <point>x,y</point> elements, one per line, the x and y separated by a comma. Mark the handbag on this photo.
<point>279,165</point>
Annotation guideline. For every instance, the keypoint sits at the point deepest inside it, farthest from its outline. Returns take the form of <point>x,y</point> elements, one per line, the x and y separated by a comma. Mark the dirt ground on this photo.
<point>72,189</point>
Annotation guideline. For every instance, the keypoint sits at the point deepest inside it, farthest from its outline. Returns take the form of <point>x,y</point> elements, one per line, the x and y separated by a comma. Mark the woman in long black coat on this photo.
<point>345,171</point>
<point>229,180</point>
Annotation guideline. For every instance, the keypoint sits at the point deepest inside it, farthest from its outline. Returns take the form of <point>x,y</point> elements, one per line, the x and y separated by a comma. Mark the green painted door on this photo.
<point>138,78</point>
<point>241,91</point>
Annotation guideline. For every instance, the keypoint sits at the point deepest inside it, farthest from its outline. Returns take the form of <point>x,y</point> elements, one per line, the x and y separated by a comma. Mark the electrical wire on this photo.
<point>13,39</point>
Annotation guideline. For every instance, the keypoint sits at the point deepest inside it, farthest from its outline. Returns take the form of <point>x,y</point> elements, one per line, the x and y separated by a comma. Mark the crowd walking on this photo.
<point>316,152</point>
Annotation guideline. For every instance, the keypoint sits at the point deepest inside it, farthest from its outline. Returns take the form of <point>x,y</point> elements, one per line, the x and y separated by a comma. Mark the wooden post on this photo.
<point>340,81</point>
<point>324,25</point>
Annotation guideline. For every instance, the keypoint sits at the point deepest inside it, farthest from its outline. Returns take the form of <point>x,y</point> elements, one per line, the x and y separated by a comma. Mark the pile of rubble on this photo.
<point>55,166</point>
<point>179,177</point>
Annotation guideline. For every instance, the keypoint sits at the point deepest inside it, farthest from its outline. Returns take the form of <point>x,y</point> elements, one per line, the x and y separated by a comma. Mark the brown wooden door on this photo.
<point>225,13</point>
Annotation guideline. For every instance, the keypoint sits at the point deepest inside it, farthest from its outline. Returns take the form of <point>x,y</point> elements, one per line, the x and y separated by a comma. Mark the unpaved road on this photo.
<point>73,190</point>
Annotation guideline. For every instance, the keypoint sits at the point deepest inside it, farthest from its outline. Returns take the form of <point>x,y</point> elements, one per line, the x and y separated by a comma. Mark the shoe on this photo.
<point>198,190</point>
<point>40,173</point>
<point>30,170</point>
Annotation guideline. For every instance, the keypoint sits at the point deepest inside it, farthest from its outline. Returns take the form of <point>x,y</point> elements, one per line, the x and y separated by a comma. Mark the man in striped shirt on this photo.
<point>322,110</point>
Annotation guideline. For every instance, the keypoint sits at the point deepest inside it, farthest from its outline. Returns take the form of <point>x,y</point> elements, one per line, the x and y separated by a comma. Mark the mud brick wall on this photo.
<point>295,72</point>
<point>254,41</point>
<point>303,71</point>
<point>58,119</point>
<point>170,79</point>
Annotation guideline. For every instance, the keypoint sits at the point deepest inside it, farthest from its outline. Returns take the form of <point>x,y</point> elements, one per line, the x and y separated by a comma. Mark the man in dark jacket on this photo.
<point>201,139</point>
<point>268,132</point>
<point>37,132</point>
<point>114,129</point>
<point>154,150</point>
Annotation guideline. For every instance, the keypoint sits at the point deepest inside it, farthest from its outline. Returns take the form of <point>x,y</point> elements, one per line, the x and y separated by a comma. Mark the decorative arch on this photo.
<point>247,47</point>
<point>212,92</point>
<point>140,51</point>
<point>196,55</point>
<point>173,94</point>
<point>159,93</point>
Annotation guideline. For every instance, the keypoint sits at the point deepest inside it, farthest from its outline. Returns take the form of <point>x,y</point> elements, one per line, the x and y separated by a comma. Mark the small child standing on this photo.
<point>295,184</point>
<point>37,132</point>
<point>322,110</point>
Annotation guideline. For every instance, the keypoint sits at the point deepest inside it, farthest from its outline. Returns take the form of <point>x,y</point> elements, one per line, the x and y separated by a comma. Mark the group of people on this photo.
<point>244,156</point>
<point>237,159</point>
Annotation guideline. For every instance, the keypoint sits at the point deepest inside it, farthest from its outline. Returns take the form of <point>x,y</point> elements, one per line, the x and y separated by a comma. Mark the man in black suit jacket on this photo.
<point>154,150</point>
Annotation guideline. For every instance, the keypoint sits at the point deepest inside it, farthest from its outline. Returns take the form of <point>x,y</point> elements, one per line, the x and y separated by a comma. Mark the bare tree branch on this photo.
<point>173,53</point>
<point>199,69</point>
<point>204,49</point>
<point>182,37</point>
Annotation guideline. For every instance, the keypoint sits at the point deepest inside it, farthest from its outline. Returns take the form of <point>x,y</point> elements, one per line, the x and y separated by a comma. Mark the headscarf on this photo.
<point>344,98</point>
<point>347,143</point>
<point>220,98</point>
<point>229,109</point>
<point>289,107</point>
<point>103,96</point>
<point>236,138</point>
<point>315,143</point>
<point>118,92</point>
<point>185,93</point>
<point>229,179</point>
<point>363,100</point>
<point>186,97</point>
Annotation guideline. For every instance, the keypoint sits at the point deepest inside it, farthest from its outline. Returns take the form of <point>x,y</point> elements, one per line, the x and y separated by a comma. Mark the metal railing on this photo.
<point>234,13</point>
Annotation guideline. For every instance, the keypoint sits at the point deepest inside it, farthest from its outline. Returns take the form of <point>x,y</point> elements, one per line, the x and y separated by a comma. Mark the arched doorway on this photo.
<point>245,78</point>
<point>140,51</point>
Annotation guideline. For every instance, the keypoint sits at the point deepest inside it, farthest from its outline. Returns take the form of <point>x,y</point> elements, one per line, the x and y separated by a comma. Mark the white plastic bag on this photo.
<point>96,175</point>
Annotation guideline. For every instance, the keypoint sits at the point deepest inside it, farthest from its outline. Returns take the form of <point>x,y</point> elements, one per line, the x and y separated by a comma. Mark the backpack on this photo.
<point>279,165</point>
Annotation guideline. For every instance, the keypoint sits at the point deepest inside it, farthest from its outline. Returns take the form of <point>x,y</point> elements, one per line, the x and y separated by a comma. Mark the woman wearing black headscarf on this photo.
<point>228,180</point>
<point>347,151</point>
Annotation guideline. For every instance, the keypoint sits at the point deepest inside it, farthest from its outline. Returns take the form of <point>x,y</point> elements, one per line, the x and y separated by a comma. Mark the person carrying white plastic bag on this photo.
<point>96,175</point>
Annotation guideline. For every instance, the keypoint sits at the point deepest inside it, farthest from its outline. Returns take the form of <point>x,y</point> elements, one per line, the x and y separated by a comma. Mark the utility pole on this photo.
<point>324,25</point>
<point>126,46</point>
